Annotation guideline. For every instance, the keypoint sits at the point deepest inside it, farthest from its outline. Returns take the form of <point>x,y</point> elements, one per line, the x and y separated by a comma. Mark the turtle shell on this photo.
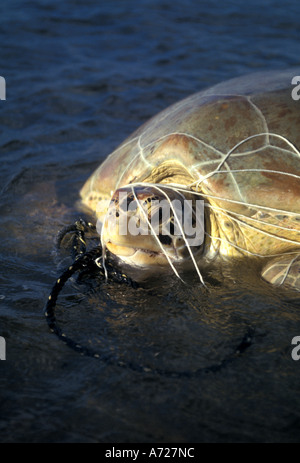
<point>238,143</point>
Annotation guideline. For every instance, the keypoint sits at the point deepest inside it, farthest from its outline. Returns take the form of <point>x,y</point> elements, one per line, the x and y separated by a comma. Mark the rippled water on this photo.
<point>81,76</point>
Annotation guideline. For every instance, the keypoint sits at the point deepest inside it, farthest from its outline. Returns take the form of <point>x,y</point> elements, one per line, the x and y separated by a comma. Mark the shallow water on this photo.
<point>80,78</point>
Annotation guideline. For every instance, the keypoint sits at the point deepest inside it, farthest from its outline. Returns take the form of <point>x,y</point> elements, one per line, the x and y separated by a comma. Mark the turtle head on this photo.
<point>151,226</point>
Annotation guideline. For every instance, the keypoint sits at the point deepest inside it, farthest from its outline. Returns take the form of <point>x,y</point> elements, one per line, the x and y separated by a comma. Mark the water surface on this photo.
<point>81,76</point>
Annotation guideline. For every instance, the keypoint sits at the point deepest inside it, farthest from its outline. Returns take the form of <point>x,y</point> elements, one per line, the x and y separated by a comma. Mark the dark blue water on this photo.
<point>81,76</point>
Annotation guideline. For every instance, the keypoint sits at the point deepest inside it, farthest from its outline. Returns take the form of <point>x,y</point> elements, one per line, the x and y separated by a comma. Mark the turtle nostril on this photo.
<point>165,239</point>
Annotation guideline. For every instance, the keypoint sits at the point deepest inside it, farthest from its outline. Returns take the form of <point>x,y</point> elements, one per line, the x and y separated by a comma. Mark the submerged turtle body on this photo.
<point>237,147</point>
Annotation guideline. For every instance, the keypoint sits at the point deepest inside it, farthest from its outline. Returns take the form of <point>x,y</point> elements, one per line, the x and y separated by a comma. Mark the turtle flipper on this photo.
<point>283,271</point>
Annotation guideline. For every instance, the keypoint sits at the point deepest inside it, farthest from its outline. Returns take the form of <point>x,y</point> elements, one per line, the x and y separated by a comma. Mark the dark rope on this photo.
<point>85,261</point>
<point>90,262</point>
<point>78,230</point>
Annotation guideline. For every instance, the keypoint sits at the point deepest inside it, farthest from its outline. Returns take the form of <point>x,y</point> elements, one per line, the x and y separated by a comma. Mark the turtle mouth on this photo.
<point>140,257</point>
<point>129,251</point>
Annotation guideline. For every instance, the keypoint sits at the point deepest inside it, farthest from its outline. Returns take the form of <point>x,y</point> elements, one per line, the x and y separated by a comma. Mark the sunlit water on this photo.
<point>80,78</point>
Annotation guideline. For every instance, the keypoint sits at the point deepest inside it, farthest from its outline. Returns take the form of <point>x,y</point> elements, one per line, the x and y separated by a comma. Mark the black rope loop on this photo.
<point>91,261</point>
<point>88,261</point>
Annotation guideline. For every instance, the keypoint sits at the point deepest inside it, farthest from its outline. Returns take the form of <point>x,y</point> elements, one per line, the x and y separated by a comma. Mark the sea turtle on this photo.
<point>236,147</point>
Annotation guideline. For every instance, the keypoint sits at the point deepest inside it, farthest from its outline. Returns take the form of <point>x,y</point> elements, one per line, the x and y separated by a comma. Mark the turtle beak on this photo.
<point>127,233</point>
